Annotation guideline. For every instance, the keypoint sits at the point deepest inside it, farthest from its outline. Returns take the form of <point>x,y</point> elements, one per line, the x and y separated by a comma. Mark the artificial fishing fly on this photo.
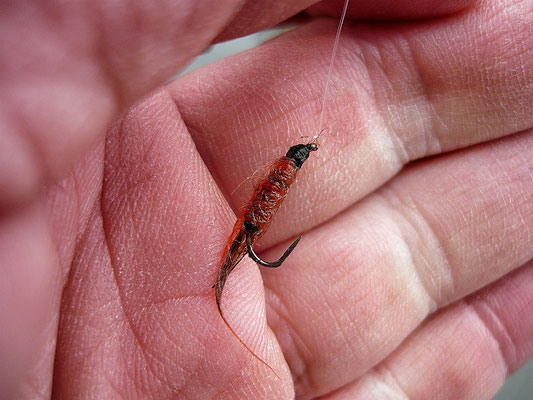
<point>255,219</point>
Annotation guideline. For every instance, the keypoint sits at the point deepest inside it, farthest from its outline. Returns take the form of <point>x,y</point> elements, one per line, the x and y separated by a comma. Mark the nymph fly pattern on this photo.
<point>256,216</point>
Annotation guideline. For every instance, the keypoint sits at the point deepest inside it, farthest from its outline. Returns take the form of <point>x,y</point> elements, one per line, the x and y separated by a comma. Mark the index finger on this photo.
<point>399,92</point>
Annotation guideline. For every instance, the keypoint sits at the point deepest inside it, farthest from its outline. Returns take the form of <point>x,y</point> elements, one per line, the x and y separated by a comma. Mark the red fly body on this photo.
<point>255,219</point>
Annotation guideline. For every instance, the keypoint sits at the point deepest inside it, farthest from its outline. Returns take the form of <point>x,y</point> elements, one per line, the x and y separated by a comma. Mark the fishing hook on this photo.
<point>255,257</point>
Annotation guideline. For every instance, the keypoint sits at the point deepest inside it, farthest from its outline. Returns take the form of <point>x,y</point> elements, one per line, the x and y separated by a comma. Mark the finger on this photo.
<point>464,352</point>
<point>37,243</point>
<point>139,300</point>
<point>388,9</point>
<point>360,284</point>
<point>255,15</point>
<point>398,93</point>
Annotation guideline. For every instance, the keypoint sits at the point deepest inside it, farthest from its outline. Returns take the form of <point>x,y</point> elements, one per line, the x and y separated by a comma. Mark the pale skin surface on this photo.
<point>410,281</point>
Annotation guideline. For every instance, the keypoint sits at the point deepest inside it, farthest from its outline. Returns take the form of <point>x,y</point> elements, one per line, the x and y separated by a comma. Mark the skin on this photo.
<point>414,275</point>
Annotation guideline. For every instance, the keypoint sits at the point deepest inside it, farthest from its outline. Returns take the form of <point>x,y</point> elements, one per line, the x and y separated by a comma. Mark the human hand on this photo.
<point>122,250</point>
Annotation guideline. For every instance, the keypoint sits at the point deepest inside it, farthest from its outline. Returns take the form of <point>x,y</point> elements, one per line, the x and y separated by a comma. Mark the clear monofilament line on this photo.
<point>331,62</point>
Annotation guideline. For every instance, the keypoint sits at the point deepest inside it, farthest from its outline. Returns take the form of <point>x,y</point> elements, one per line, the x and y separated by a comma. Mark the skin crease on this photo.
<point>413,278</point>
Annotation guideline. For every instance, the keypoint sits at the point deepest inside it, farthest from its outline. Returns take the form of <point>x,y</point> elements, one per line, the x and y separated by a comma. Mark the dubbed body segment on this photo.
<point>255,219</point>
<point>268,196</point>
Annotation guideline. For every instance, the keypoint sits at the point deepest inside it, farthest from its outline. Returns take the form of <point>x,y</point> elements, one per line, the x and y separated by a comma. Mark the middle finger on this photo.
<point>360,283</point>
<point>400,92</point>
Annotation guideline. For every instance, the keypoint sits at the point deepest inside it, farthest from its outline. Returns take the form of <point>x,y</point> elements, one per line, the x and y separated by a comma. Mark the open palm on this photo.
<point>413,278</point>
